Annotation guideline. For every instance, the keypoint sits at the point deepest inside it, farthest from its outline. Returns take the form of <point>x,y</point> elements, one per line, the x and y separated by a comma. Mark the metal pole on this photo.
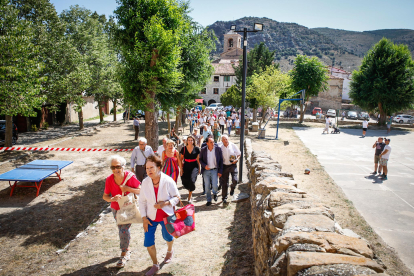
<point>243,103</point>
<point>278,116</point>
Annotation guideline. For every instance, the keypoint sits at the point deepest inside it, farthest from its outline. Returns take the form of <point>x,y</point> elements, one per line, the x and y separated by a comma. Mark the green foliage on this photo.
<point>45,125</point>
<point>310,74</point>
<point>34,128</point>
<point>232,97</point>
<point>385,79</point>
<point>20,65</point>
<point>267,87</point>
<point>258,59</point>
<point>149,30</point>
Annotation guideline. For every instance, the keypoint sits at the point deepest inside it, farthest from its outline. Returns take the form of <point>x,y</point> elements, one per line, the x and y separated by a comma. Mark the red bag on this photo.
<point>182,222</point>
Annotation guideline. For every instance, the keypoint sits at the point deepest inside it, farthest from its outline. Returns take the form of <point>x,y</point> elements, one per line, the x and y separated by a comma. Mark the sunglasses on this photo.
<point>116,167</point>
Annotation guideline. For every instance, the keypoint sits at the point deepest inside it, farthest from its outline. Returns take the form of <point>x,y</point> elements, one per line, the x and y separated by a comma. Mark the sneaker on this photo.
<point>232,191</point>
<point>153,270</point>
<point>215,197</point>
<point>208,203</point>
<point>224,201</point>
<point>374,173</point>
<point>190,201</point>
<point>384,177</point>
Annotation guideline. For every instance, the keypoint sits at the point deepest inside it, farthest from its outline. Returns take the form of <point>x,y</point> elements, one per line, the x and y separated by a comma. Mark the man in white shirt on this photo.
<point>139,158</point>
<point>211,160</point>
<point>384,157</point>
<point>364,127</point>
<point>231,155</point>
<point>222,122</point>
<point>136,127</point>
<point>162,147</point>
<point>211,120</point>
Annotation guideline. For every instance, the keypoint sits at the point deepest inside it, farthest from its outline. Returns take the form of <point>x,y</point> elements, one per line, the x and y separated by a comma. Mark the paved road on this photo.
<point>388,206</point>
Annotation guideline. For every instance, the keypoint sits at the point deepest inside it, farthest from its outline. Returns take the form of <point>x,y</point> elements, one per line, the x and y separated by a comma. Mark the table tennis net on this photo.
<point>39,167</point>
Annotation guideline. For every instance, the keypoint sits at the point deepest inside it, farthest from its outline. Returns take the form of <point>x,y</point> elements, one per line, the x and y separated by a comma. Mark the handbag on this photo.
<point>182,221</point>
<point>128,207</point>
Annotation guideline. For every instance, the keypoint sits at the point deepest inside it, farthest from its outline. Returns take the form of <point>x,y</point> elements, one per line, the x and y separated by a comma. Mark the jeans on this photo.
<point>191,127</point>
<point>229,128</point>
<point>210,176</point>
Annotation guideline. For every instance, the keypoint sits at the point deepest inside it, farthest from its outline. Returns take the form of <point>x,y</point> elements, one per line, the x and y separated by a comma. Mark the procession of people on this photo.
<point>154,177</point>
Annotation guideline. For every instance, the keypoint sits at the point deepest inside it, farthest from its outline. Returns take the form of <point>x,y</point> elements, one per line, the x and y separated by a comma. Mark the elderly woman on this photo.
<point>171,161</point>
<point>159,195</point>
<point>114,189</point>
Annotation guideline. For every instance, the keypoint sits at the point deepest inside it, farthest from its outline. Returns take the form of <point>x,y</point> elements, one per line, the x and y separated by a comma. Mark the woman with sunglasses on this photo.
<point>113,192</point>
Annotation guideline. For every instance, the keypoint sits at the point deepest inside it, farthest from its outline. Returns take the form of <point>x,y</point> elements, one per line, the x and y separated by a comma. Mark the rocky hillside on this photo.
<point>359,43</point>
<point>343,48</point>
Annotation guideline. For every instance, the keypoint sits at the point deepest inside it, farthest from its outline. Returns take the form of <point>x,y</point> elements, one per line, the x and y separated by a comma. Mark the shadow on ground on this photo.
<point>239,258</point>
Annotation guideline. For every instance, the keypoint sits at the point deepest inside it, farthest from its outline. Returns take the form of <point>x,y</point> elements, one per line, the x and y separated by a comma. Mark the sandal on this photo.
<point>168,256</point>
<point>122,261</point>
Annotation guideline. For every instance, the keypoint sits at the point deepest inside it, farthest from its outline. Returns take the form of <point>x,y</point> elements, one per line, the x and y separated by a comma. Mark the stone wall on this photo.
<point>295,234</point>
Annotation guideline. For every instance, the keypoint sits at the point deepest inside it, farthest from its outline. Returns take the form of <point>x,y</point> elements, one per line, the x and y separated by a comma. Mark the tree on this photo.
<point>258,59</point>
<point>385,79</point>
<point>20,68</point>
<point>267,87</point>
<point>309,74</point>
<point>231,97</point>
<point>148,38</point>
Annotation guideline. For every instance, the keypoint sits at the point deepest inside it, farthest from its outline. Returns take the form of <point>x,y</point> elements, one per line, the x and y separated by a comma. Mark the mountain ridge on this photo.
<point>333,46</point>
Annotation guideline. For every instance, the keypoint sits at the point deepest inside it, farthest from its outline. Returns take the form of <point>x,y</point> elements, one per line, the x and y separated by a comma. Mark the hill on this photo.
<point>289,39</point>
<point>359,43</point>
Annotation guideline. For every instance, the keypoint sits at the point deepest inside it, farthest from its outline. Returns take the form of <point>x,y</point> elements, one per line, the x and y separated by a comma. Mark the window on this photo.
<point>203,91</point>
<point>226,78</point>
<point>215,90</point>
<point>216,78</point>
<point>231,42</point>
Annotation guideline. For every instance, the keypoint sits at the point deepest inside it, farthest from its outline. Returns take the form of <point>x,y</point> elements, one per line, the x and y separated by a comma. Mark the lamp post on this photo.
<point>257,28</point>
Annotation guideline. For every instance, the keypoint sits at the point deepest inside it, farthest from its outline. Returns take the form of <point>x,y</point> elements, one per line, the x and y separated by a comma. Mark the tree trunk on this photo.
<point>168,122</point>
<point>101,115</point>
<point>263,116</point>
<point>302,112</point>
<point>183,113</point>
<point>80,116</point>
<point>177,119</point>
<point>114,102</point>
<point>254,115</point>
<point>129,111</point>
<point>9,132</point>
<point>151,114</point>
<point>42,116</point>
<point>383,115</point>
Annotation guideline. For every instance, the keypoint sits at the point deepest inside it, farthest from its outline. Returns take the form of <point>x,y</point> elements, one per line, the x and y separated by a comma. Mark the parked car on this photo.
<point>331,113</point>
<point>3,132</point>
<point>135,113</point>
<point>316,110</point>
<point>214,106</point>
<point>352,115</point>
<point>403,118</point>
<point>363,115</point>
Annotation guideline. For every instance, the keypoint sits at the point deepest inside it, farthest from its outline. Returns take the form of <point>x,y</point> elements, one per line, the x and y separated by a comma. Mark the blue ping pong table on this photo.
<point>35,171</point>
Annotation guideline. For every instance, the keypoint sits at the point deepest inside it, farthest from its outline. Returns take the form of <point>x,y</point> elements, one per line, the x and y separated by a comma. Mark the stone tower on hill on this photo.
<point>232,46</point>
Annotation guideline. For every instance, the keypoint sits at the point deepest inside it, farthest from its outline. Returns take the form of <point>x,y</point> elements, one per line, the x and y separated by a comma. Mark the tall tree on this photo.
<point>385,79</point>
<point>54,49</point>
<point>20,67</point>
<point>309,74</point>
<point>267,87</point>
<point>231,97</point>
<point>258,59</point>
<point>149,40</point>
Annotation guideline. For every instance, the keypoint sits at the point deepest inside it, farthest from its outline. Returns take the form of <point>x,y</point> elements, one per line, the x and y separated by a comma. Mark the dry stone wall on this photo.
<point>295,234</point>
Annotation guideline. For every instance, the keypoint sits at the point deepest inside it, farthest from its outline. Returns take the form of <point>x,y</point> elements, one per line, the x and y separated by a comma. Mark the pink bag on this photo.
<point>182,222</point>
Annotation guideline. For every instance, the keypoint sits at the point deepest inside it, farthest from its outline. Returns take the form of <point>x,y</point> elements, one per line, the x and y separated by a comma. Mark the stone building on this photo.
<point>330,99</point>
<point>347,76</point>
<point>224,76</point>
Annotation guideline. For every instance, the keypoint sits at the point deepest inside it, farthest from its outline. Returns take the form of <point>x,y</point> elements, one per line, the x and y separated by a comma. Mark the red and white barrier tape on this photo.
<point>58,149</point>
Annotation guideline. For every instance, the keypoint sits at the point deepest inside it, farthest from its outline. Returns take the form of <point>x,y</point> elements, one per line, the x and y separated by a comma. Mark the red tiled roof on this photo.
<point>224,69</point>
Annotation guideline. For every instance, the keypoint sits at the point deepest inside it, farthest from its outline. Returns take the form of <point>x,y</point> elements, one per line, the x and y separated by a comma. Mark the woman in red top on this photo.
<point>113,191</point>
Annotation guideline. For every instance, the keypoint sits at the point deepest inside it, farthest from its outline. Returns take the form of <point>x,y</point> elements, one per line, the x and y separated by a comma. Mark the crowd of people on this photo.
<point>156,173</point>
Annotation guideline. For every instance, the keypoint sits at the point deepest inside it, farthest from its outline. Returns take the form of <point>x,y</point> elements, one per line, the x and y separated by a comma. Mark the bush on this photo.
<point>203,107</point>
<point>34,128</point>
<point>112,111</point>
<point>45,125</point>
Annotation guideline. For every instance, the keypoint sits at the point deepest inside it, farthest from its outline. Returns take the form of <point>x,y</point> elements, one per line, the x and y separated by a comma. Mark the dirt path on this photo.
<point>33,228</point>
<point>295,157</point>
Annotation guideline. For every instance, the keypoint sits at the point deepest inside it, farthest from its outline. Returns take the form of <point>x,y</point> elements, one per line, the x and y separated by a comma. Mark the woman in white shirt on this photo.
<point>237,122</point>
<point>158,196</point>
<point>222,122</point>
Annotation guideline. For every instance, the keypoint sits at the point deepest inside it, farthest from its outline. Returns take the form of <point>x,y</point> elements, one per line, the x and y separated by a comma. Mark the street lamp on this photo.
<point>257,27</point>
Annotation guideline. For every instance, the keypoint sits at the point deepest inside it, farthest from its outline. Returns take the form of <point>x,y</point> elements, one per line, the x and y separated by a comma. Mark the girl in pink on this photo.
<point>114,189</point>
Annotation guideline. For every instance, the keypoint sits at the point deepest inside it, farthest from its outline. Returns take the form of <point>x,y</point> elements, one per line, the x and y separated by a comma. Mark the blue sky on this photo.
<point>354,15</point>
